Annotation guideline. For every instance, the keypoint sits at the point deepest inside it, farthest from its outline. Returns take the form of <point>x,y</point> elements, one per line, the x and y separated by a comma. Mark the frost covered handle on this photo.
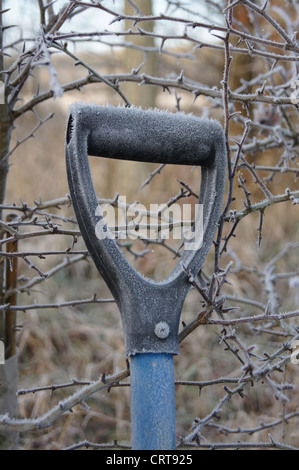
<point>150,310</point>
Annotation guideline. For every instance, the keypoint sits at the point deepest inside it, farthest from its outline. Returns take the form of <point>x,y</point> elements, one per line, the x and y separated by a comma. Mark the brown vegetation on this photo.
<point>85,341</point>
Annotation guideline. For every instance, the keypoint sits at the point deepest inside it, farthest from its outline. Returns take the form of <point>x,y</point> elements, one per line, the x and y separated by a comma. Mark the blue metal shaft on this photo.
<point>152,402</point>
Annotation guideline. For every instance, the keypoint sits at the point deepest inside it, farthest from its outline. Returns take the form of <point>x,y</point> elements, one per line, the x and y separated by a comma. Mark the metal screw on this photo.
<point>162,330</point>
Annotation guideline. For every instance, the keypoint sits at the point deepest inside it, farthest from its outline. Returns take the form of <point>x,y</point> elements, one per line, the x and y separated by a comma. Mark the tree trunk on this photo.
<point>8,400</point>
<point>9,370</point>
<point>144,96</point>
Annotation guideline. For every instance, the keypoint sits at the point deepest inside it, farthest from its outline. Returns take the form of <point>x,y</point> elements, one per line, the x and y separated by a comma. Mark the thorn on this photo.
<point>136,71</point>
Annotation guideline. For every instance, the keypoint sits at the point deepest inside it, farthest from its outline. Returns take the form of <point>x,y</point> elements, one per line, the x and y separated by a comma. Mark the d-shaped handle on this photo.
<point>149,136</point>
